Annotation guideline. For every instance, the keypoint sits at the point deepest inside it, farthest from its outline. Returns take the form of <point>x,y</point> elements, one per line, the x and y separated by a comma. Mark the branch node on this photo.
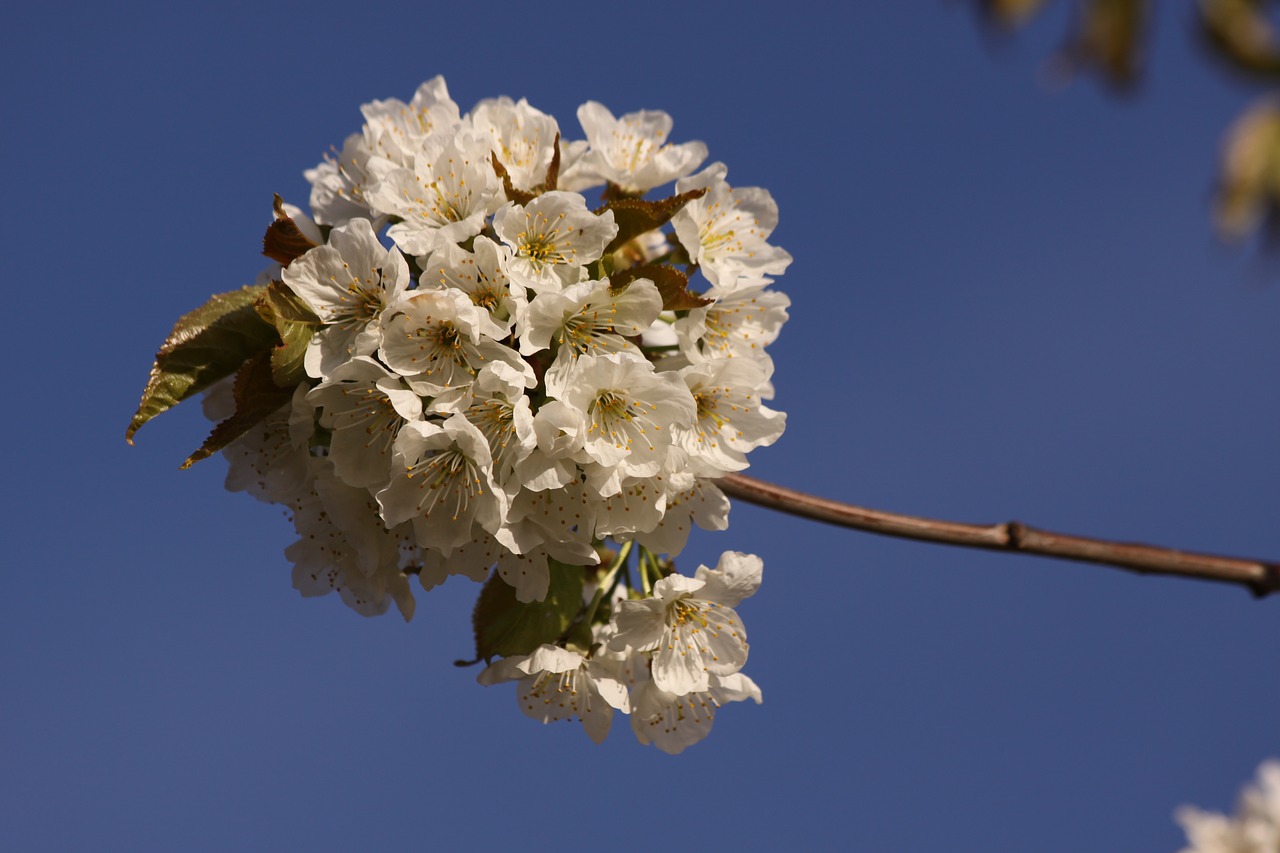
<point>1015,530</point>
<point>1268,583</point>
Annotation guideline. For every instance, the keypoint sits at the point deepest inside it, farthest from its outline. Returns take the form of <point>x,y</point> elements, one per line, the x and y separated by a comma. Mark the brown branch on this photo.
<point>1260,578</point>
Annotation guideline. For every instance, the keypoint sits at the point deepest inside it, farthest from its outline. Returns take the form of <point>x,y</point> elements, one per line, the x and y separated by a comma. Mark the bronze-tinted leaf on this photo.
<point>613,192</point>
<point>516,195</point>
<point>205,345</point>
<point>256,395</point>
<point>671,283</point>
<point>635,216</point>
<point>284,241</point>
<point>553,169</point>
<point>548,184</point>
<point>1240,33</point>
<point>505,626</point>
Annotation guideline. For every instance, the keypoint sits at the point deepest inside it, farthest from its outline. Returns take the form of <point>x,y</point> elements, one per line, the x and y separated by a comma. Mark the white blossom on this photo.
<point>690,624</point>
<point>740,323</point>
<point>559,433</point>
<point>507,424</point>
<point>630,412</point>
<point>472,560</point>
<point>344,548</point>
<point>347,283</point>
<point>520,136</point>
<point>443,483</point>
<point>436,337</point>
<point>363,405</point>
<point>731,420</point>
<point>557,521</point>
<point>726,230</point>
<point>551,239</point>
<point>632,152</point>
<point>338,183</point>
<point>1255,828</point>
<point>673,723</point>
<point>636,505</point>
<point>588,318</point>
<point>271,461</point>
<point>395,130</point>
<point>561,684</point>
<point>479,274</point>
<point>443,199</point>
<point>702,503</point>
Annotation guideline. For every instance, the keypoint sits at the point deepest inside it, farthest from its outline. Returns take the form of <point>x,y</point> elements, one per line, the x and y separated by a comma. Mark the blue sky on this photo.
<point>1006,303</point>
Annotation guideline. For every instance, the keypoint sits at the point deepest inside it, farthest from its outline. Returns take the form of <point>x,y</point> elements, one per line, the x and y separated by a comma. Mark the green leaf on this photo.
<point>505,626</point>
<point>295,322</point>
<point>257,396</point>
<point>287,369</point>
<point>278,303</point>
<point>205,345</point>
<point>284,241</point>
<point>672,284</point>
<point>635,216</point>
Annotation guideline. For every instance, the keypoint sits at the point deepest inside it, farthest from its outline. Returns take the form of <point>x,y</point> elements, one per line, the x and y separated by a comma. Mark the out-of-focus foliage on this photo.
<point>1249,177</point>
<point>1108,37</point>
<point>1008,14</point>
<point>1239,32</point>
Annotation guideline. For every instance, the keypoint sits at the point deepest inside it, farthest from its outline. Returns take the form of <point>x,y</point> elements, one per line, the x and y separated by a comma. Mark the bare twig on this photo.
<point>1260,578</point>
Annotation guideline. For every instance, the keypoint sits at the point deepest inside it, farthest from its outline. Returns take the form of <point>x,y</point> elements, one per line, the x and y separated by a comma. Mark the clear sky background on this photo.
<point>1006,304</point>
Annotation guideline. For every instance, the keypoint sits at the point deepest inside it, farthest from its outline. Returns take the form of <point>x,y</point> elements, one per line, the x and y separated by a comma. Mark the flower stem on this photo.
<point>608,582</point>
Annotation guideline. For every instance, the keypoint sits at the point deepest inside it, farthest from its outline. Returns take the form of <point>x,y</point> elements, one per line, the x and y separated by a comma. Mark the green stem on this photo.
<point>646,567</point>
<point>608,582</point>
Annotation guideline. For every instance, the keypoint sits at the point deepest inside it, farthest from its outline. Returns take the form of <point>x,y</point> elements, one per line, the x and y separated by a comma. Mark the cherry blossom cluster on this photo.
<point>522,383</point>
<point>1255,828</point>
<point>669,660</point>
